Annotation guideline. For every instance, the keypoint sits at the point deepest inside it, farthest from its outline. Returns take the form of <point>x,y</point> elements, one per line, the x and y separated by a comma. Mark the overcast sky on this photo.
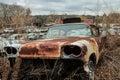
<point>80,7</point>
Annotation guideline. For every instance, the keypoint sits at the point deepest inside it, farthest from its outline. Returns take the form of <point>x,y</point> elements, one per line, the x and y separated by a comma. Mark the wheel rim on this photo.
<point>91,68</point>
<point>91,65</point>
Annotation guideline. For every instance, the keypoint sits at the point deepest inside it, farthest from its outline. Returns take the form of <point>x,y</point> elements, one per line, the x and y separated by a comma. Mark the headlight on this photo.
<point>71,50</point>
<point>12,51</point>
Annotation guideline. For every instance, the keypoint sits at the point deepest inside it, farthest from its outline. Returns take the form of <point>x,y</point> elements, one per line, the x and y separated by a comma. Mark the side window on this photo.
<point>95,31</point>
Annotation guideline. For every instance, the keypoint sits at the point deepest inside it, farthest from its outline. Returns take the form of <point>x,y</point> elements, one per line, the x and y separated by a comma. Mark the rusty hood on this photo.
<point>51,48</point>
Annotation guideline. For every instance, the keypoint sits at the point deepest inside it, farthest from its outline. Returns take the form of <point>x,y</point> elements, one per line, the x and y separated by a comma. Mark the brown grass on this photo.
<point>109,69</point>
<point>110,65</point>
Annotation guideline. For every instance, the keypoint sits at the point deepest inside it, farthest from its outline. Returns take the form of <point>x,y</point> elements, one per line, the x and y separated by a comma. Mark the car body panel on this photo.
<point>51,48</point>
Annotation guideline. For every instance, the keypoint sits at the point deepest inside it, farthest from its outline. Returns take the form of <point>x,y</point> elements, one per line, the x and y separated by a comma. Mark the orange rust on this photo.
<point>39,50</point>
<point>86,57</point>
<point>95,48</point>
<point>94,45</point>
<point>84,50</point>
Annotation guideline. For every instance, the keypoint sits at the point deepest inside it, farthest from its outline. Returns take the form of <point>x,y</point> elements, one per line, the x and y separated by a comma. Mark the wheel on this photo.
<point>91,70</point>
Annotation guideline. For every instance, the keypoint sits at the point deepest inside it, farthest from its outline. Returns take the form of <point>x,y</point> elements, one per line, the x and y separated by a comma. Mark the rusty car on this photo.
<point>66,47</point>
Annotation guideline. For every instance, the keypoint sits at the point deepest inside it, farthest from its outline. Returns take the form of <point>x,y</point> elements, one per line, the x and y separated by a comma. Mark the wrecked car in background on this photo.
<point>4,62</point>
<point>32,36</point>
<point>66,46</point>
<point>17,38</point>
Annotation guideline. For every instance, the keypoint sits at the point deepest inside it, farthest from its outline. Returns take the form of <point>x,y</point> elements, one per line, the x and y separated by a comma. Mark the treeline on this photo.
<point>41,19</point>
<point>14,16</point>
<point>18,16</point>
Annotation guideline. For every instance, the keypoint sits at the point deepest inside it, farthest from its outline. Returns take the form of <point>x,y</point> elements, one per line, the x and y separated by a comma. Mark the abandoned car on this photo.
<point>65,46</point>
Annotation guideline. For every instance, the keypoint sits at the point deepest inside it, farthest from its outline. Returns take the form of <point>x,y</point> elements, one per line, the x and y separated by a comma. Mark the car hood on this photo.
<point>51,48</point>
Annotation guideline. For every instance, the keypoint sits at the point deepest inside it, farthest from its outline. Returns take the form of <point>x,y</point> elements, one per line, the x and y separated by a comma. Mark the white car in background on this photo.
<point>17,38</point>
<point>32,36</point>
<point>9,30</point>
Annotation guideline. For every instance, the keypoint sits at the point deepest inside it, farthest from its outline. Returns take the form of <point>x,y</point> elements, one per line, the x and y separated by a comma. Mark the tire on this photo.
<point>91,67</point>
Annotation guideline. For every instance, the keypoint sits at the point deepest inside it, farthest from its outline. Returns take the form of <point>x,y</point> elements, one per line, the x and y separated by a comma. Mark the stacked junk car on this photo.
<point>70,51</point>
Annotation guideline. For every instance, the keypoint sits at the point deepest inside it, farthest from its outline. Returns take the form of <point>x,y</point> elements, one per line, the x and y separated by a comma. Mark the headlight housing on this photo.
<point>12,50</point>
<point>71,50</point>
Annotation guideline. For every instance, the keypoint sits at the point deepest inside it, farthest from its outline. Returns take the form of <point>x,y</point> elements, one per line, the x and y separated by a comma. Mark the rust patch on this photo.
<point>86,58</point>
<point>40,50</point>
<point>84,50</point>
<point>95,48</point>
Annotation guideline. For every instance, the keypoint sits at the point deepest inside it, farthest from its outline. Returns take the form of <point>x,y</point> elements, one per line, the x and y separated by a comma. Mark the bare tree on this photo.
<point>14,16</point>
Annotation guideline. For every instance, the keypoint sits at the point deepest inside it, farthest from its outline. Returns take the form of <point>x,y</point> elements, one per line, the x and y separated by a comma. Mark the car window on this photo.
<point>94,31</point>
<point>80,30</point>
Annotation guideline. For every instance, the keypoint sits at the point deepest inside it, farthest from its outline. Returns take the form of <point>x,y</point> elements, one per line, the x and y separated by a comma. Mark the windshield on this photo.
<point>69,30</point>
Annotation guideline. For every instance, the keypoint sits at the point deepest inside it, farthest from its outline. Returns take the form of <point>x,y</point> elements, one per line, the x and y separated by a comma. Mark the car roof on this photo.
<point>72,20</point>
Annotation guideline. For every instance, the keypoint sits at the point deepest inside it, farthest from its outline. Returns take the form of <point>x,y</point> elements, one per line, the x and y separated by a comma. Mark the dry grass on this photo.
<point>109,69</point>
<point>110,65</point>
